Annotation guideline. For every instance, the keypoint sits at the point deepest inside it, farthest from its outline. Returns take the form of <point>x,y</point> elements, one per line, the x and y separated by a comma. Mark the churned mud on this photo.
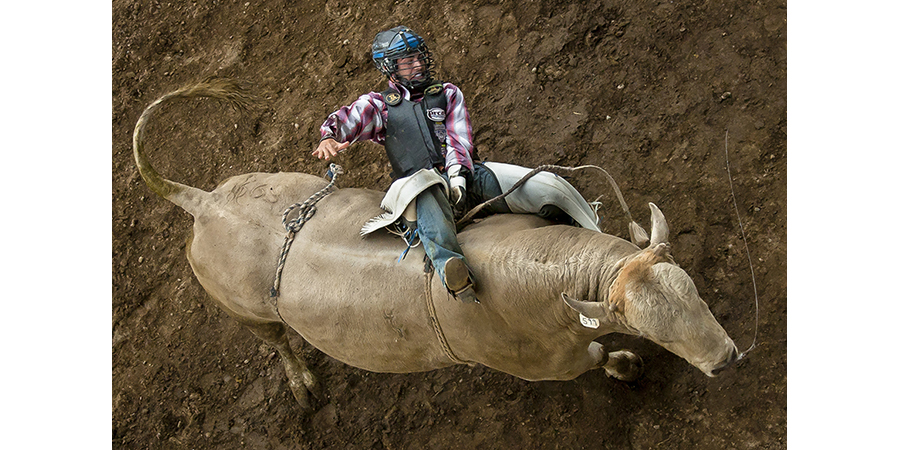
<point>647,90</point>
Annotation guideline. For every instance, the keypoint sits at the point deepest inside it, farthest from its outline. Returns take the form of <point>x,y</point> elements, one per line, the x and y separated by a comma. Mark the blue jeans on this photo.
<point>437,229</point>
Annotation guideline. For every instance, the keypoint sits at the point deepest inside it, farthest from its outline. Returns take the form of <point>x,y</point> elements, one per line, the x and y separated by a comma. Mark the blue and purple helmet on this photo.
<point>399,43</point>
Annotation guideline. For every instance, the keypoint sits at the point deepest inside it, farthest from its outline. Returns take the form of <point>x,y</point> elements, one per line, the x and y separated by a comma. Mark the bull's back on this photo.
<point>348,295</point>
<point>366,308</point>
<point>237,236</point>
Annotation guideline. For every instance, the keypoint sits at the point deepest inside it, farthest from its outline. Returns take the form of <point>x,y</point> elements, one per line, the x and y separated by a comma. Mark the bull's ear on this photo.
<point>638,235</point>
<point>659,229</point>
<point>594,310</point>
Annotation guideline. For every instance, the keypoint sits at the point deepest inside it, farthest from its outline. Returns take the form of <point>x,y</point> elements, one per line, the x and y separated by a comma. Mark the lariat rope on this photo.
<point>746,247</point>
<point>550,168</point>
<point>306,210</point>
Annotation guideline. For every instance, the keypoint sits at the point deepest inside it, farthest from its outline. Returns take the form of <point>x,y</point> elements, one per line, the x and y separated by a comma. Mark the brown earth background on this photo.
<point>647,90</point>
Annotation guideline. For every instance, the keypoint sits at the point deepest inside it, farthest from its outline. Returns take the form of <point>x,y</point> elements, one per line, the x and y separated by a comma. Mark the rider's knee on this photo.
<point>555,213</point>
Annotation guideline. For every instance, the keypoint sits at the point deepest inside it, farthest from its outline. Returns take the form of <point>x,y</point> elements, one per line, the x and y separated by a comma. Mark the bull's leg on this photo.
<point>301,381</point>
<point>624,365</point>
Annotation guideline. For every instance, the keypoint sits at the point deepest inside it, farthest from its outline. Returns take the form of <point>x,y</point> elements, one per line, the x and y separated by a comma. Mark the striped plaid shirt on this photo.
<point>365,119</point>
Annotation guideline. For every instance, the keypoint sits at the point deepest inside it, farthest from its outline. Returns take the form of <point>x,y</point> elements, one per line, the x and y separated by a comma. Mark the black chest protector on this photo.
<point>415,133</point>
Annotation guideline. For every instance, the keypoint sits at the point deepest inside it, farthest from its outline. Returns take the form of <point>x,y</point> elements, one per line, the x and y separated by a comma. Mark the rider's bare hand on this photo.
<point>329,148</point>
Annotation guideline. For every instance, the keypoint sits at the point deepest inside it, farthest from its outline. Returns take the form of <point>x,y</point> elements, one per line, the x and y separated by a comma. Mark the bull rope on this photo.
<point>432,316</point>
<point>549,168</point>
<point>307,209</point>
<point>746,247</point>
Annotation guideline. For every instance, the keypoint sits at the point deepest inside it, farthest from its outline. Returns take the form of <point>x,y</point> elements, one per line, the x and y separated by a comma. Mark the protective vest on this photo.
<point>415,133</point>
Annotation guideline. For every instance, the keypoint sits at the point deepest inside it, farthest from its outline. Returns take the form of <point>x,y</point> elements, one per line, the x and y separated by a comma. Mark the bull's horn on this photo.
<point>594,310</point>
<point>659,230</point>
<point>638,235</point>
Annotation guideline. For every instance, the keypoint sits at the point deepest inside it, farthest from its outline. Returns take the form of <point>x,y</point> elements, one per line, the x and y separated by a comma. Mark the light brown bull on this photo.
<point>547,291</point>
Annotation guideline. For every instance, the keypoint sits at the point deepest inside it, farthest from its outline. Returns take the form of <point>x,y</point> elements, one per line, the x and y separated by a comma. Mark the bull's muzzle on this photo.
<point>732,358</point>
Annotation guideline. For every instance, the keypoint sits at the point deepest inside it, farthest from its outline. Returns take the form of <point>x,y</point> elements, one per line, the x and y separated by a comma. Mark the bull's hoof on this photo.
<point>313,386</point>
<point>624,365</point>
<point>302,383</point>
<point>301,395</point>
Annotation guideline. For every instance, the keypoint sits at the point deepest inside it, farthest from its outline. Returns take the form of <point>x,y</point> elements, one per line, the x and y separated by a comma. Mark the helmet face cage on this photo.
<point>401,43</point>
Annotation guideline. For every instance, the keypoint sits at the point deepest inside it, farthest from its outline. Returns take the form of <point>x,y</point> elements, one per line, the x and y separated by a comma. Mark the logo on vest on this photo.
<point>441,132</point>
<point>436,114</point>
<point>434,89</point>
<point>393,98</point>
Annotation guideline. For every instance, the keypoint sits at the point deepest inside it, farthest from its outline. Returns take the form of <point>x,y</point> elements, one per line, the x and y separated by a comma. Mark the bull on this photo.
<point>547,291</point>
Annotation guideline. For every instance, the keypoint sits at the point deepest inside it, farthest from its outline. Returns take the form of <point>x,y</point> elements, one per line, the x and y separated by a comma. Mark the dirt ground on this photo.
<point>647,90</point>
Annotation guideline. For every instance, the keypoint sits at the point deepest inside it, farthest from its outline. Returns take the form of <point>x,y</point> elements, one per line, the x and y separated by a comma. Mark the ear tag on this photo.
<point>588,322</point>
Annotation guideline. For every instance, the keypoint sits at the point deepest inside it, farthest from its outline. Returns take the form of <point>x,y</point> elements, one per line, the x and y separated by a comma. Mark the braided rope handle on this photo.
<point>307,209</point>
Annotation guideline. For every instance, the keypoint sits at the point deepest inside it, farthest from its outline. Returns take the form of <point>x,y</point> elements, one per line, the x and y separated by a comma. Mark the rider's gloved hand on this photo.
<point>457,186</point>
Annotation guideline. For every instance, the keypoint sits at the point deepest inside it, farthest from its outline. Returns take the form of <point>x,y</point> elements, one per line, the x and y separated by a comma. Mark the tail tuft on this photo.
<point>235,93</point>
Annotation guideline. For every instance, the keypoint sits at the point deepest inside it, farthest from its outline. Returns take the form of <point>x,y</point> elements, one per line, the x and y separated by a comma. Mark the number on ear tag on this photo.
<point>588,322</point>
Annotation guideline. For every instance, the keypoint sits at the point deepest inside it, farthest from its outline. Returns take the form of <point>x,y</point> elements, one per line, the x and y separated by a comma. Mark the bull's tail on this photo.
<point>177,193</point>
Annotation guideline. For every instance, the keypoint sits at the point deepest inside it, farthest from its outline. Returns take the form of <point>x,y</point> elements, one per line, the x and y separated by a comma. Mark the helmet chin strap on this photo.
<point>414,86</point>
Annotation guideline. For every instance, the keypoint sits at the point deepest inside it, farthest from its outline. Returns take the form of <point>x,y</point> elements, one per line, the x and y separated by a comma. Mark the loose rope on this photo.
<point>306,210</point>
<point>746,247</point>
<point>549,168</point>
<point>432,315</point>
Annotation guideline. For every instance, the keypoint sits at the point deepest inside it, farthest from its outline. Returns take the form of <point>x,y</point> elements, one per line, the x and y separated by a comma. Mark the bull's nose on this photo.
<point>728,362</point>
